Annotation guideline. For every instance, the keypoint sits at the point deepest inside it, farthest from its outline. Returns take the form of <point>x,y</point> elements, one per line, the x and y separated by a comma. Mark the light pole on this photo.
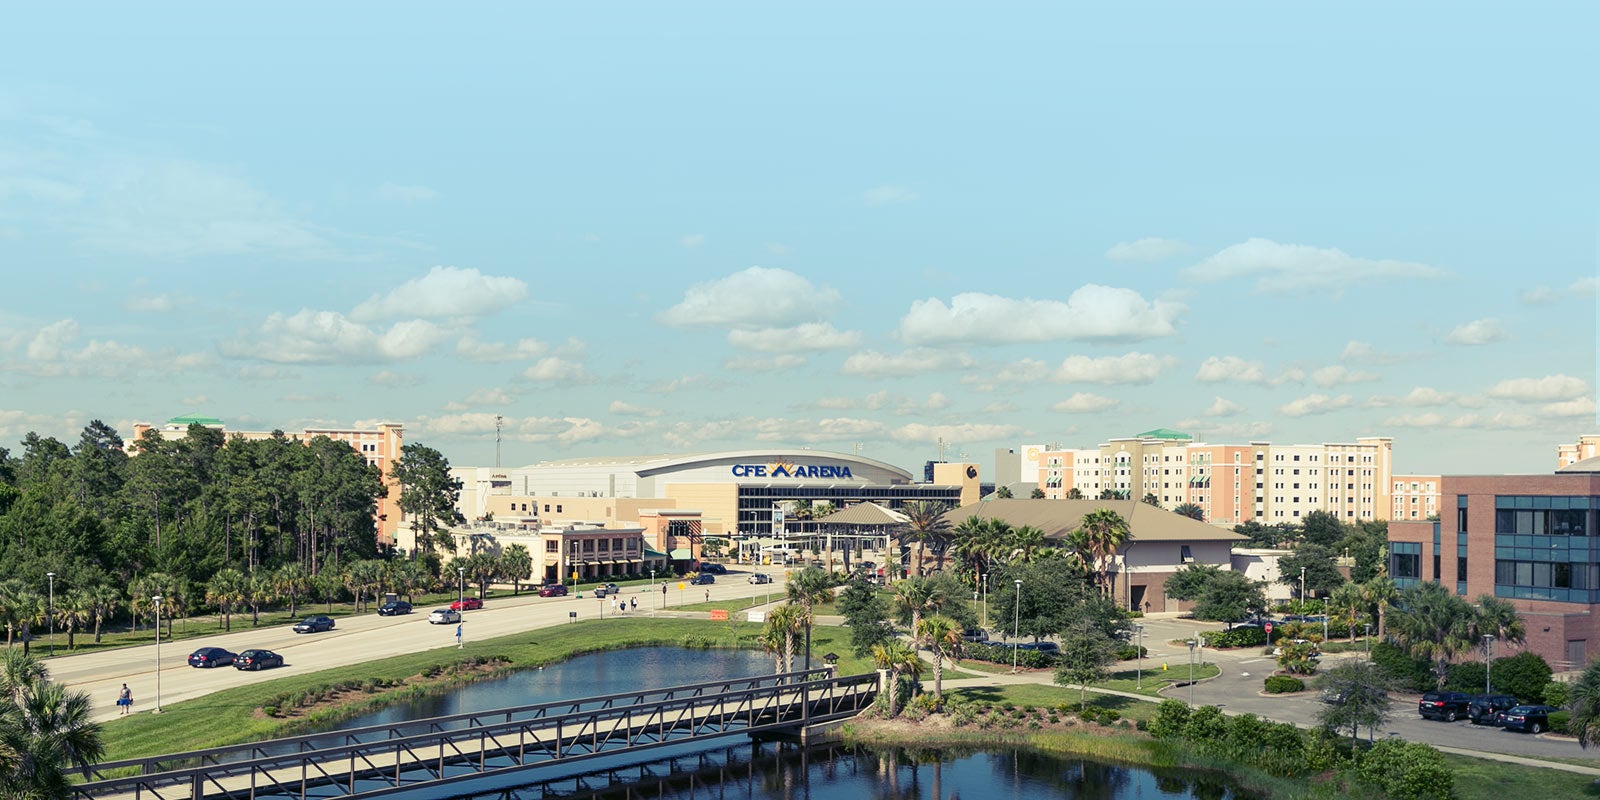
<point>1488,658</point>
<point>52,617</point>
<point>1139,649</point>
<point>157,600</point>
<point>1369,640</point>
<point>1302,591</point>
<point>1016,625</point>
<point>461,603</point>
<point>985,621</point>
<point>1191,671</point>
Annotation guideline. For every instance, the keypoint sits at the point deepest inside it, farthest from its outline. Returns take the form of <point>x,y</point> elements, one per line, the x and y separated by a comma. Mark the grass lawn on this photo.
<point>1480,779</point>
<point>1042,696</point>
<point>1155,679</point>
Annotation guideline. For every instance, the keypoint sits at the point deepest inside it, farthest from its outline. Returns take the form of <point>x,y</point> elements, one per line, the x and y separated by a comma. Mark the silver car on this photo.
<point>444,616</point>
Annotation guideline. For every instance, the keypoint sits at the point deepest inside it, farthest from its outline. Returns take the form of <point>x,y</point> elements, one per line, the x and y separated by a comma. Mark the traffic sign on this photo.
<point>1268,627</point>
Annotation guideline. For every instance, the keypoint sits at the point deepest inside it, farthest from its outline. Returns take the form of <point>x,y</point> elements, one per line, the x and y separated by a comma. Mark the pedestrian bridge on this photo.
<point>423,754</point>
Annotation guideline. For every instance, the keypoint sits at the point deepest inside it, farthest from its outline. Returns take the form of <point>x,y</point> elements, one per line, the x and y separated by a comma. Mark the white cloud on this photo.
<point>489,397</point>
<point>960,434</point>
<point>1500,420</point>
<point>1126,368</point>
<point>773,429</point>
<point>394,379</point>
<point>1477,332</point>
<point>1364,353</point>
<point>1231,369</point>
<point>776,363</point>
<point>47,344</point>
<point>559,431</point>
<point>447,293</point>
<point>1085,403</point>
<point>624,409</point>
<point>1222,407</point>
<point>327,337</point>
<point>471,348</point>
<point>1092,312</point>
<point>811,336</point>
<point>1420,396</point>
<point>557,369</point>
<point>1581,407</point>
<point>692,239</point>
<point>1148,249</point>
<point>1533,390</point>
<point>888,195</point>
<point>916,361</point>
<point>195,400</point>
<point>1292,268</point>
<point>1234,431</point>
<point>758,297</point>
<point>402,193</point>
<point>1538,296</point>
<point>323,398</point>
<point>1338,374</point>
<point>1000,407</point>
<point>1315,404</point>
<point>1583,287</point>
<point>937,401</point>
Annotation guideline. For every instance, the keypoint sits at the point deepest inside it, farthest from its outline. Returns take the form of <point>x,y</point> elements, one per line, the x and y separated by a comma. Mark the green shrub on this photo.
<point>1280,684</point>
<point>1559,720</point>
<point>1170,719</point>
<point>1406,771</point>
<point>1247,636</point>
<point>1524,675</point>
<point>1129,652</point>
<point>1206,724</point>
<point>1409,672</point>
<point>271,711</point>
<point>1556,694</point>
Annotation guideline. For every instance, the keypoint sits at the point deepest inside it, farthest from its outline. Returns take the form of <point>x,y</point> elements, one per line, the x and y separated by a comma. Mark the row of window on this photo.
<point>1541,521</point>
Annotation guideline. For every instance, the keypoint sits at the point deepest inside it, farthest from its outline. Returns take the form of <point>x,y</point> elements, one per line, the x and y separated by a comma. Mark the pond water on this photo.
<point>609,672</point>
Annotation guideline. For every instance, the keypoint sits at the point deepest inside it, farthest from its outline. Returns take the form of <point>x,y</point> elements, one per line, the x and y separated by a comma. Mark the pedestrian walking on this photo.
<point>633,603</point>
<point>125,700</point>
<point>708,595</point>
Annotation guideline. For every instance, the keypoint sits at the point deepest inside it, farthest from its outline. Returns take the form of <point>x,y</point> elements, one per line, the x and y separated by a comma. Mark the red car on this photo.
<point>553,590</point>
<point>466,604</point>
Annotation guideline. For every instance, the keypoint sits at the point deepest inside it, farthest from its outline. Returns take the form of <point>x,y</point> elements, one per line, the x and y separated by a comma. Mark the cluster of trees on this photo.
<point>206,521</point>
<point>981,546</point>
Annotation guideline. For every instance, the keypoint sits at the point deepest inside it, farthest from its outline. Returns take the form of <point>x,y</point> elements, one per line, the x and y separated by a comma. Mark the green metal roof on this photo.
<point>648,553</point>
<point>194,419</point>
<point>681,554</point>
<point>1164,433</point>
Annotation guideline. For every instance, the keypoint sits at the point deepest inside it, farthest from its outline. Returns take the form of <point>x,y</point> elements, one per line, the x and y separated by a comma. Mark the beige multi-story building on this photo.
<point>1234,483</point>
<point>1415,497</point>
<point>380,447</point>
<point>1588,446</point>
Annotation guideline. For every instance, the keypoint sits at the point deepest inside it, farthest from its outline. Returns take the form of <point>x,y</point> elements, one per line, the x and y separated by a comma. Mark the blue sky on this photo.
<point>675,227</point>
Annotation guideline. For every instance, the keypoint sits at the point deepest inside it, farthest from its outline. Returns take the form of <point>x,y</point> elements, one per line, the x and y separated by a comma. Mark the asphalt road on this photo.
<point>1238,689</point>
<point>357,639</point>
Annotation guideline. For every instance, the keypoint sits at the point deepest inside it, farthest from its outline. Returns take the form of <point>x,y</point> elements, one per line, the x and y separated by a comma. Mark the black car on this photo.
<point>714,569</point>
<point>257,659</point>
<point>394,609</point>
<point>314,624</point>
<point>208,657</point>
<point>1533,719</point>
<point>702,579</point>
<point>1448,706</point>
<point>1486,708</point>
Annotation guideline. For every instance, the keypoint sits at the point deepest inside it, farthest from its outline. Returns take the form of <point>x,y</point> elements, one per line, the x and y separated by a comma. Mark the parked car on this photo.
<point>208,657</point>
<point>466,604</point>
<point>394,609</point>
<point>1448,706</point>
<point>553,590</point>
<point>975,635</point>
<point>1532,719</point>
<point>867,565</point>
<point>257,660</point>
<point>1048,648</point>
<point>444,616</point>
<point>760,577</point>
<point>1486,709</point>
<point>315,624</point>
<point>702,579</point>
<point>604,589</point>
<point>714,569</point>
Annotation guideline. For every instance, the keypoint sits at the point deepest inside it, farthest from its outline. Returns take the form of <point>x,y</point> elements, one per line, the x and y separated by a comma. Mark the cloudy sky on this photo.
<point>674,227</point>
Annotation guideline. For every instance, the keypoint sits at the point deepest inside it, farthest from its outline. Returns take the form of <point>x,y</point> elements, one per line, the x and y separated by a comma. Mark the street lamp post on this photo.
<point>1191,671</point>
<point>1139,649</point>
<point>984,623</point>
<point>1369,639</point>
<point>461,603</point>
<point>1016,625</point>
<point>157,600</point>
<point>52,618</point>
<point>1488,659</point>
<point>1302,590</point>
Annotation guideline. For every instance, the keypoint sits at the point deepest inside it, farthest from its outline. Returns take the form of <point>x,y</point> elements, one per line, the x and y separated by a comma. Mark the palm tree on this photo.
<point>290,582</point>
<point>914,597</point>
<point>1435,624</point>
<point>44,730</point>
<point>1074,493</point>
<point>808,588</point>
<point>1584,704</point>
<point>516,565</point>
<point>75,610</point>
<point>259,591</point>
<point>1498,618</point>
<point>1380,592</point>
<point>942,636</point>
<point>409,577</point>
<point>1151,499</point>
<point>1038,494</point>
<point>894,657</point>
<point>1027,543</point>
<point>1191,510</point>
<point>786,622</point>
<point>11,594</point>
<point>1003,493</point>
<point>226,589</point>
<point>924,521</point>
<point>1105,532</point>
<point>107,601</point>
<point>1347,598</point>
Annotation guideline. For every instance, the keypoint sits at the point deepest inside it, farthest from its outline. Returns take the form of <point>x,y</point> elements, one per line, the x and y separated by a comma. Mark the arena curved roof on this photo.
<point>660,463</point>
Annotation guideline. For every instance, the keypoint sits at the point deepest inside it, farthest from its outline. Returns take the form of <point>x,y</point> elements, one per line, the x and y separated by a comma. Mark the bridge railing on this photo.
<point>467,746</point>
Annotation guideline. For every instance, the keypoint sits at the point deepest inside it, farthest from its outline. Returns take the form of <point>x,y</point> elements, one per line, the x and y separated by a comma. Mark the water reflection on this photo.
<point>776,771</point>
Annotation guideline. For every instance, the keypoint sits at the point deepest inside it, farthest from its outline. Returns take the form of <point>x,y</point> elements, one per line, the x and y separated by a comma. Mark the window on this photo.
<point>1461,568</point>
<point>1406,565</point>
<point>552,546</point>
<point>1185,554</point>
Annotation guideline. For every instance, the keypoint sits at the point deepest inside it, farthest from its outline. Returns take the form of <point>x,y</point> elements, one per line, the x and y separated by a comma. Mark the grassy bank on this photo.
<point>233,716</point>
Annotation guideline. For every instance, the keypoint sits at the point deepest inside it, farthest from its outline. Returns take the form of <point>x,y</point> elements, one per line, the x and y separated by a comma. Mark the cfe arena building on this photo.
<point>758,500</point>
